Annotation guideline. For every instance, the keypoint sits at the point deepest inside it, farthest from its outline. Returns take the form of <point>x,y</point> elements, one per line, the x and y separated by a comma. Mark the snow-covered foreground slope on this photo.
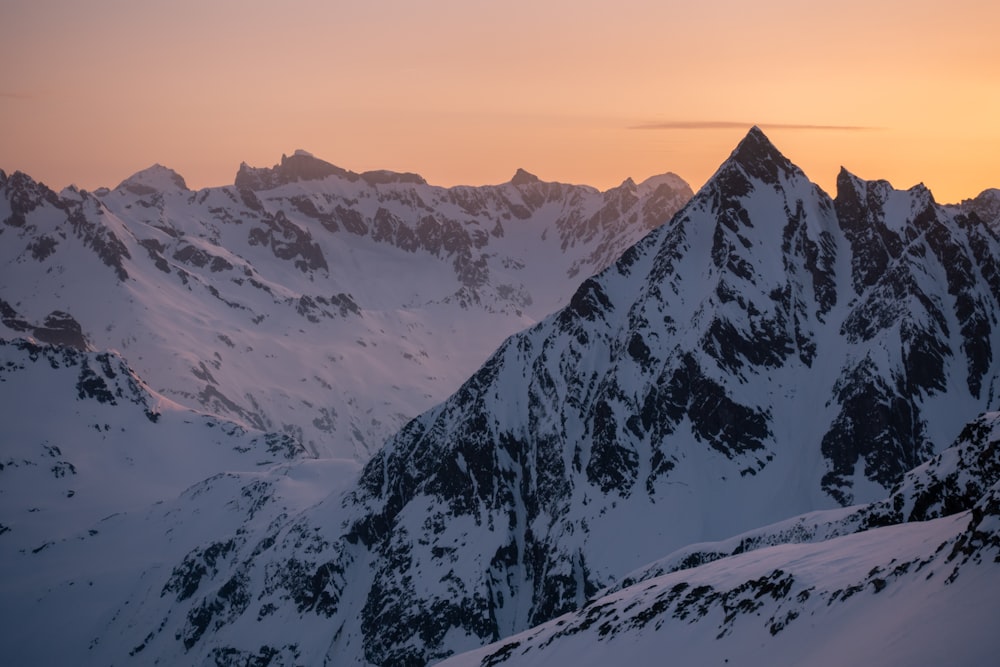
<point>307,299</point>
<point>913,594</point>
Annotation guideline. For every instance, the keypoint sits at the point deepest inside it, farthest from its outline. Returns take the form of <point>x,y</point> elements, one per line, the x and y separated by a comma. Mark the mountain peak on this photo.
<point>154,179</point>
<point>301,166</point>
<point>522,177</point>
<point>759,158</point>
<point>669,178</point>
<point>305,166</point>
<point>755,147</point>
<point>845,179</point>
<point>986,205</point>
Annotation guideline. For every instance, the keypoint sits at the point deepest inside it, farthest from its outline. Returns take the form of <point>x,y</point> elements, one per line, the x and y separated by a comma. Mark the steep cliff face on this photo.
<point>307,299</point>
<point>771,351</point>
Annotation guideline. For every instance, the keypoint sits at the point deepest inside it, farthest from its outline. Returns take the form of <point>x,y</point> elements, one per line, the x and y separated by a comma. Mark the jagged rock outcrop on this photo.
<point>986,206</point>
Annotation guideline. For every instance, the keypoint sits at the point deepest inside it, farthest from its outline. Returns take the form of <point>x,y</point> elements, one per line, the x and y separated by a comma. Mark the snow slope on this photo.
<point>84,437</point>
<point>101,479</point>
<point>898,595</point>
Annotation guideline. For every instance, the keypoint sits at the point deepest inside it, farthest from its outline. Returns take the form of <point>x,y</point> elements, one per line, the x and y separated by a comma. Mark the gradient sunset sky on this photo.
<point>465,92</point>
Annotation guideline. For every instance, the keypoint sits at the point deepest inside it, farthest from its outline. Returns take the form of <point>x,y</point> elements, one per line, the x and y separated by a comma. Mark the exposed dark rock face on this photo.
<point>289,241</point>
<point>298,167</point>
<point>391,177</point>
<point>102,377</point>
<point>11,319</point>
<point>522,177</point>
<point>83,213</point>
<point>891,260</point>
<point>60,328</point>
<point>85,221</point>
<point>24,196</point>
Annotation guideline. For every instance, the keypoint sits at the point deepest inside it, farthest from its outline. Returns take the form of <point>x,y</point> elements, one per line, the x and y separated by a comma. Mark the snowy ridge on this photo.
<point>382,292</point>
<point>914,594</point>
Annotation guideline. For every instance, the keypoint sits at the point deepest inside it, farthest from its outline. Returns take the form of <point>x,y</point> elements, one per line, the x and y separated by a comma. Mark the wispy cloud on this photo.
<point>729,125</point>
<point>9,95</point>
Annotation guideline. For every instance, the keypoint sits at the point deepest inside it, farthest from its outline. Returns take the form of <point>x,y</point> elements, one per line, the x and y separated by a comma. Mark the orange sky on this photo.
<point>463,91</point>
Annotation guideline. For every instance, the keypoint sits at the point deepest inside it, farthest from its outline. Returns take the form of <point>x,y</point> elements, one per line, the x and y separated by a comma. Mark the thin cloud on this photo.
<point>732,125</point>
<point>7,95</point>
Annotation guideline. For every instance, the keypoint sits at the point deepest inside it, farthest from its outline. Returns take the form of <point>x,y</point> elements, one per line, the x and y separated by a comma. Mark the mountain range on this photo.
<point>305,298</point>
<point>762,433</point>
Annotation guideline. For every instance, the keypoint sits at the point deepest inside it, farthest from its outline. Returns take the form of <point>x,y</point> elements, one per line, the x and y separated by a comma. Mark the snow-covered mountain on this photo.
<point>770,351</point>
<point>729,444</point>
<point>307,299</point>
